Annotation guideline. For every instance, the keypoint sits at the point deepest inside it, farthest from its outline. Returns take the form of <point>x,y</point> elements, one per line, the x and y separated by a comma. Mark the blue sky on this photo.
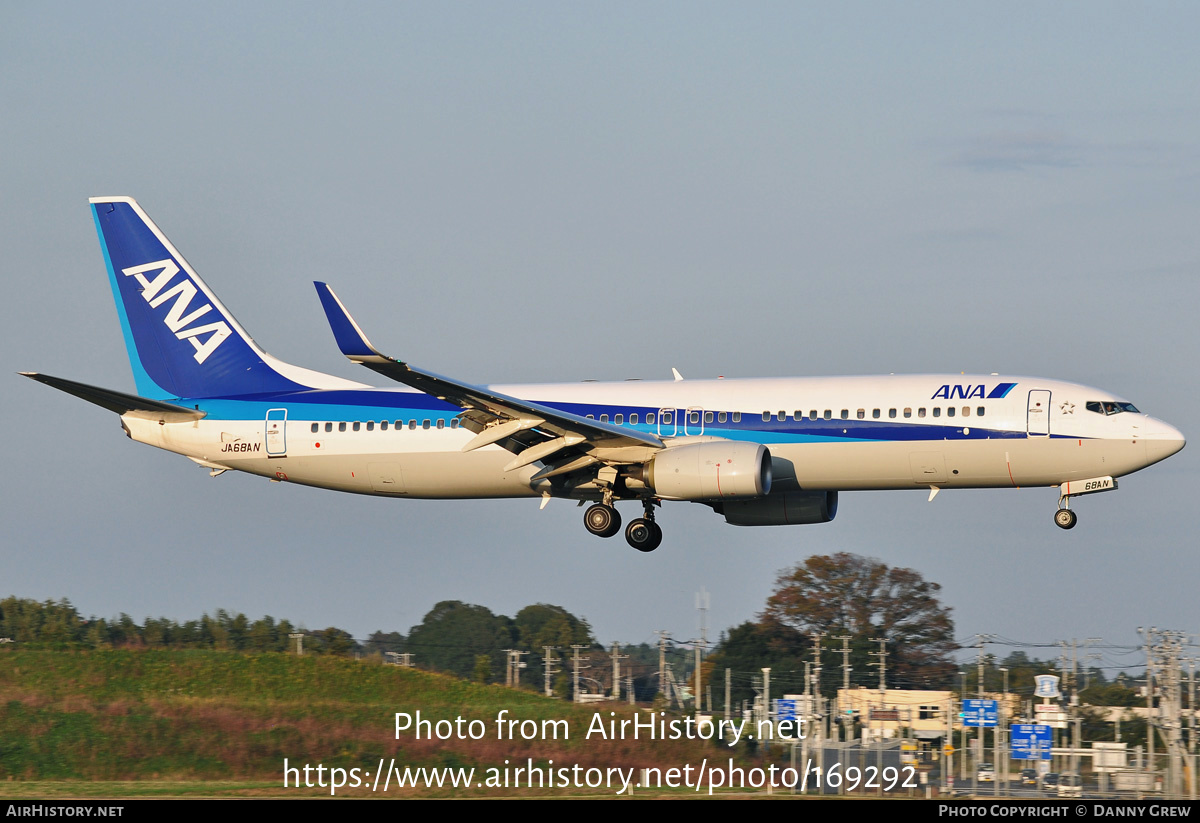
<point>541,192</point>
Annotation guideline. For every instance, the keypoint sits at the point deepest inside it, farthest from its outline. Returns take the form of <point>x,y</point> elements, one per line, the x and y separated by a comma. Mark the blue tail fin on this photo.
<point>182,342</point>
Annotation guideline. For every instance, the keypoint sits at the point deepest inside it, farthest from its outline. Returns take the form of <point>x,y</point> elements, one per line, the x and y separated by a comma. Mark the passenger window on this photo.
<point>845,414</point>
<point>604,418</point>
<point>666,418</point>
<point>766,416</point>
<point>357,426</point>
<point>781,416</point>
<point>425,424</point>
<point>812,415</point>
<point>412,424</point>
<point>950,411</point>
<point>937,411</point>
<point>693,417</point>
<point>591,417</point>
<point>383,425</point>
<point>441,423</point>
<point>862,414</point>
<point>708,418</point>
<point>908,412</point>
<point>649,418</point>
<point>633,419</point>
<point>892,414</point>
<point>315,427</point>
<point>328,427</point>
<point>721,418</point>
<point>979,412</point>
<point>966,411</point>
<point>828,414</point>
<point>341,427</point>
<point>875,413</point>
<point>454,422</point>
<point>370,425</point>
<point>921,412</point>
<point>619,419</point>
<point>737,417</point>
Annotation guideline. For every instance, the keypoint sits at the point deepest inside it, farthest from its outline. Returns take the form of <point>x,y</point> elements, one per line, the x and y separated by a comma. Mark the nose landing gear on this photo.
<point>1064,518</point>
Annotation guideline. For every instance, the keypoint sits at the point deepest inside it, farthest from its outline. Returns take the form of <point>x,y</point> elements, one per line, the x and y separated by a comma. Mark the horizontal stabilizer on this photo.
<point>116,401</point>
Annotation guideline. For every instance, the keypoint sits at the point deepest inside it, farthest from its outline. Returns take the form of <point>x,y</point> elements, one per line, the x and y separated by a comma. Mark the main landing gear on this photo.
<point>643,533</point>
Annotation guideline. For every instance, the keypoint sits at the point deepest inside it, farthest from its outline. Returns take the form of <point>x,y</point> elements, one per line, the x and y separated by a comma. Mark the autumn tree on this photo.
<point>858,597</point>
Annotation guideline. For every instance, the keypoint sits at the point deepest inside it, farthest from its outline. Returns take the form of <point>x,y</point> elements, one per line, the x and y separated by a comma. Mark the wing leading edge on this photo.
<point>565,442</point>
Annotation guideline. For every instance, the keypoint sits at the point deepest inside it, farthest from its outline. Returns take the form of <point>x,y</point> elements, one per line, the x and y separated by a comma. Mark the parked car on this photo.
<point>986,773</point>
<point>1029,777</point>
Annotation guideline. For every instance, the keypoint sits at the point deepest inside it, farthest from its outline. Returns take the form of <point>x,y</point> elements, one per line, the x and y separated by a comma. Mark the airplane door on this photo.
<point>277,432</point>
<point>1037,418</point>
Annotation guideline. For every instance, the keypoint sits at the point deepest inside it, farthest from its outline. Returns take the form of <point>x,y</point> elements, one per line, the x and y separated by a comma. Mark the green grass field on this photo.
<point>182,723</point>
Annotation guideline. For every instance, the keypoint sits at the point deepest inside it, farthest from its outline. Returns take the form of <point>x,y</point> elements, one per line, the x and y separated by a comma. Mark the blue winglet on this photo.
<point>350,338</point>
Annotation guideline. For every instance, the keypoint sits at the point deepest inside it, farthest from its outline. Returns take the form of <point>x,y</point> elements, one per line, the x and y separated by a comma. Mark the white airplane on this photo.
<point>759,452</point>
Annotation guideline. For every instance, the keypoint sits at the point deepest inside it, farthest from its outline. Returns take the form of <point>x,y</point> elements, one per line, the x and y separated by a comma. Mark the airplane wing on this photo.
<point>564,442</point>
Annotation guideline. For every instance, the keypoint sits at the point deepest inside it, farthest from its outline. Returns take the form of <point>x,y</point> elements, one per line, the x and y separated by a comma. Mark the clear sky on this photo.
<point>525,192</point>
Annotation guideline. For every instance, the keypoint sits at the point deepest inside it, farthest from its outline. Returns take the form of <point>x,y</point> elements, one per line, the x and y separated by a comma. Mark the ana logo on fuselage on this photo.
<point>958,391</point>
<point>183,292</point>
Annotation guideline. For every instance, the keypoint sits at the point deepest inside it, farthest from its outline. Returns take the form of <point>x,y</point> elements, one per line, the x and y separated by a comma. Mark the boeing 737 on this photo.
<point>760,452</point>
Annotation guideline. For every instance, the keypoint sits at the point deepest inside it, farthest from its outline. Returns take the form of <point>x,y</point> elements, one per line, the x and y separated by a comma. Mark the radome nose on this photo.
<point>1162,441</point>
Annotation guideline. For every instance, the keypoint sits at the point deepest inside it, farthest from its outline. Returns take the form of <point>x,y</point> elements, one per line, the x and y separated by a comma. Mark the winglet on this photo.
<point>349,336</point>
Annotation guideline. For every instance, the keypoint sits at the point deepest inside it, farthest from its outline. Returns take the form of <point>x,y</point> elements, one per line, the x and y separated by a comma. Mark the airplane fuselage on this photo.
<point>824,433</point>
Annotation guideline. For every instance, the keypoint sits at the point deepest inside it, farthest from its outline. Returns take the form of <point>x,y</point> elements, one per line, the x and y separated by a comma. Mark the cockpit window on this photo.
<point>1109,407</point>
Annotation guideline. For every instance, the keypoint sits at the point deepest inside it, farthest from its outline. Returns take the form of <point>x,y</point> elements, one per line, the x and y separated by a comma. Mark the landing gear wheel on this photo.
<point>1065,519</point>
<point>601,520</point>
<point>644,535</point>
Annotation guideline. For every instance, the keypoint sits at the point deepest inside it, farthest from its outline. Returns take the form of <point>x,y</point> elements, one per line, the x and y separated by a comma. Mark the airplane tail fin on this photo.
<point>181,341</point>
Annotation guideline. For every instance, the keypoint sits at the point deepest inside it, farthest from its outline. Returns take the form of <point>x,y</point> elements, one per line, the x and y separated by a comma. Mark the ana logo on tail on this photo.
<point>183,292</point>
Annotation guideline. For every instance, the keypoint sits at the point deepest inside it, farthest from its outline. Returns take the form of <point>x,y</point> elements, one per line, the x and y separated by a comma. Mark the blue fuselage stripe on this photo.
<point>362,405</point>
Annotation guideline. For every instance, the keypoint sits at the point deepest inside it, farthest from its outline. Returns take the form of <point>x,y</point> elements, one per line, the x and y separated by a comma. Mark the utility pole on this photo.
<point>846,724</point>
<point>299,638</point>
<point>617,657</point>
<point>663,636</point>
<point>549,660</point>
<point>816,698</point>
<point>576,647</point>
<point>1149,698</point>
<point>882,664</point>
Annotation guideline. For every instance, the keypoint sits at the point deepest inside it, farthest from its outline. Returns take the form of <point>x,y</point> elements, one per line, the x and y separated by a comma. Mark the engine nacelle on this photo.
<point>716,470</point>
<point>782,509</point>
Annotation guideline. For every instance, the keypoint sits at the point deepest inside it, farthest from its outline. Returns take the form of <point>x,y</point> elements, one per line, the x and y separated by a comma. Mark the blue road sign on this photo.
<point>1030,741</point>
<point>980,712</point>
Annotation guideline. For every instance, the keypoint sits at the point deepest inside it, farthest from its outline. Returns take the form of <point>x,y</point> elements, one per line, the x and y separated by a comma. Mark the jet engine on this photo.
<point>715,470</point>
